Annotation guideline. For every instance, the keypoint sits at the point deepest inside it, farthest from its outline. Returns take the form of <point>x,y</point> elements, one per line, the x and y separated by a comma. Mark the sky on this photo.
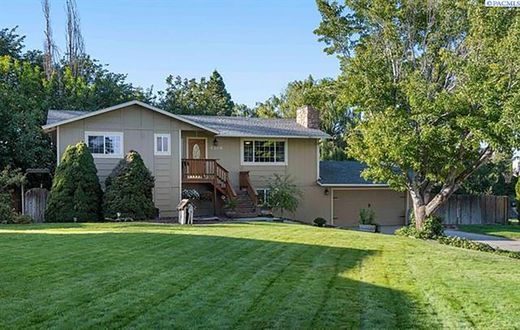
<point>258,46</point>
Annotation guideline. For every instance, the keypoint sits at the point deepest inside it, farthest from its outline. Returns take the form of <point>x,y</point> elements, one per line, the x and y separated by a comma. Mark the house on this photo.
<point>227,158</point>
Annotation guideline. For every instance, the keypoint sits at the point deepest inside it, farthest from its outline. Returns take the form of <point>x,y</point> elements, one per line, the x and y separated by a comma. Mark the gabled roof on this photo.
<point>344,173</point>
<point>55,116</point>
<point>220,125</point>
<point>256,127</point>
<point>60,117</point>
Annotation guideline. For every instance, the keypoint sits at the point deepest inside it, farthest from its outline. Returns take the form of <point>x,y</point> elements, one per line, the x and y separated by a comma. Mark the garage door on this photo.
<point>389,206</point>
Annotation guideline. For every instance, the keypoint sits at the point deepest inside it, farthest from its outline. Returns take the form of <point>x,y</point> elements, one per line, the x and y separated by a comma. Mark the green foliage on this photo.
<point>437,84</point>
<point>76,193</point>
<point>129,190</point>
<point>432,229</point>
<point>95,88</point>
<point>494,178</point>
<point>190,194</point>
<point>7,213</point>
<point>284,194</point>
<point>231,204</point>
<point>320,222</point>
<point>203,97</point>
<point>478,246</point>
<point>517,193</point>
<point>9,180</point>
<point>11,43</point>
<point>336,118</point>
<point>367,216</point>
<point>23,107</point>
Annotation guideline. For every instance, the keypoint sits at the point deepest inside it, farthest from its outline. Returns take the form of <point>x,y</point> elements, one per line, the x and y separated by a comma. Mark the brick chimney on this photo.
<point>308,116</point>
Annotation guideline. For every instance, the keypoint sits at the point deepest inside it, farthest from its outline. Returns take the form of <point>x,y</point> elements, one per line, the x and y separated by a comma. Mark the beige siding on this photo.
<point>138,126</point>
<point>301,166</point>
<point>389,206</point>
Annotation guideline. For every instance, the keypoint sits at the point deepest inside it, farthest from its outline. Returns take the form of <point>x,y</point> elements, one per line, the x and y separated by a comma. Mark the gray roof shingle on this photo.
<point>226,126</point>
<point>245,126</point>
<point>342,172</point>
<point>55,116</point>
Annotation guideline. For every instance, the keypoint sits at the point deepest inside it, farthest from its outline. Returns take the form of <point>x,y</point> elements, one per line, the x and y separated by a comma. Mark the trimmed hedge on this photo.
<point>472,245</point>
<point>129,190</point>
<point>76,194</point>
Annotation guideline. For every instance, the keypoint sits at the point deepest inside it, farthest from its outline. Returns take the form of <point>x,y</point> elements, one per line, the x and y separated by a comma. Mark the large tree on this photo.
<point>336,118</point>
<point>197,97</point>
<point>437,83</point>
<point>219,100</point>
<point>23,106</point>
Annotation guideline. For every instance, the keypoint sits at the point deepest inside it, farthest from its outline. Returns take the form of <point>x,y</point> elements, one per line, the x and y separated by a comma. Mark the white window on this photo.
<point>263,196</point>
<point>105,144</point>
<point>267,152</point>
<point>162,144</point>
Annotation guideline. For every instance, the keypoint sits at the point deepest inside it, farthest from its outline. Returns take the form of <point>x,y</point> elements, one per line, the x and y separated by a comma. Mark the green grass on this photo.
<point>247,275</point>
<point>508,231</point>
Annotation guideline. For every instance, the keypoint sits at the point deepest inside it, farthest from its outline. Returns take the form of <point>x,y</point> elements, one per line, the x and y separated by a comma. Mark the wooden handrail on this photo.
<point>245,183</point>
<point>208,170</point>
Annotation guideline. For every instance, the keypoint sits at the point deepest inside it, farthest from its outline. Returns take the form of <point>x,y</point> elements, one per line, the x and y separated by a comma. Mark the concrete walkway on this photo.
<point>496,242</point>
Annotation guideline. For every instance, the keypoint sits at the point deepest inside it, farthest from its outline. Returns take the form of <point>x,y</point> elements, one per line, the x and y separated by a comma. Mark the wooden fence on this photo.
<point>35,202</point>
<point>475,210</point>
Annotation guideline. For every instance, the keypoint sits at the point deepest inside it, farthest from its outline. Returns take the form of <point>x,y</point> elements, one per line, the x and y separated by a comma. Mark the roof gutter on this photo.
<point>353,185</point>
<point>274,136</point>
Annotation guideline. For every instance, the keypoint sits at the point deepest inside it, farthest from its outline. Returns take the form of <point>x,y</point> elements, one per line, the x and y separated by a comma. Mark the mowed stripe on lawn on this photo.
<point>246,275</point>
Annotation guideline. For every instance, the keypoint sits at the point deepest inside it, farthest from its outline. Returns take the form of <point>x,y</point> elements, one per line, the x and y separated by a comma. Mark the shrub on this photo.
<point>9,179</point>
<point>230,204</point>
<point>284,194</point>
<point>190,194</point>
<point>432,229</point>
<point>478,246</point>
<point>7,213</point>
<point>320,222</point>
<point>22,219</point>
<point>129,190</point>
<point>367,216</point>
<point>517,189</point>
<point>76,194</point>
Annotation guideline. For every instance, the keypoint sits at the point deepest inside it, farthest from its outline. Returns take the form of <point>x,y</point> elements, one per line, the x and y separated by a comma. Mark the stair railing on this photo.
<point>245,183</point>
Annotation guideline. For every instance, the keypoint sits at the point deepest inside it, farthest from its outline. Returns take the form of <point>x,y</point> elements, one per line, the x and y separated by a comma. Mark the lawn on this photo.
<point>508,231</point>
<point>247,275</point>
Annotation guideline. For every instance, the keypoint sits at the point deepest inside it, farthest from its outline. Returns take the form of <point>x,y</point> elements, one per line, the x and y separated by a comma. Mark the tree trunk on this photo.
<point>419,210</point>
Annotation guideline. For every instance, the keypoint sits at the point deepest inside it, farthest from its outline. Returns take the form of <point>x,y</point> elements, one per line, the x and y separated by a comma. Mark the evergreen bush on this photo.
<point>517,190</point>
<point>320,222</point>
<point>129,190</point>
<point>76,194</point>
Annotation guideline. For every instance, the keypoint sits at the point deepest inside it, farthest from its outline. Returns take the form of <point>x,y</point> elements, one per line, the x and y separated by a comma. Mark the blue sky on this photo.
<point>258,46</point>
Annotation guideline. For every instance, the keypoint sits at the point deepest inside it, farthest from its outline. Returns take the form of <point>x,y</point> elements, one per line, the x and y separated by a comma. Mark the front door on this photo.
<point>196,148</point>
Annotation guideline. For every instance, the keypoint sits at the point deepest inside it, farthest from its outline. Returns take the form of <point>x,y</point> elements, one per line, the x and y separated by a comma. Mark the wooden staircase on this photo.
<point>247,199</point>
<point>246,208</point>
<point>208,171</point>
<point>211,172</point>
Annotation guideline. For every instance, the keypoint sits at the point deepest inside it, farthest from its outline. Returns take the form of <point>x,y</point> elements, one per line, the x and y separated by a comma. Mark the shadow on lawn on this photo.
<point>185,281</point>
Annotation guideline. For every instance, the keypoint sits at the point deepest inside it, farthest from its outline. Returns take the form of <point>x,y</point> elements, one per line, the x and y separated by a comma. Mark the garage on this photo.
<point>388,205</point>
<point>349,192</point>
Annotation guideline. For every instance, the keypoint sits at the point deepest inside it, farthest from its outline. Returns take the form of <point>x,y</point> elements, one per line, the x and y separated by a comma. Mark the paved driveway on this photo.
<point>494,241</point>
